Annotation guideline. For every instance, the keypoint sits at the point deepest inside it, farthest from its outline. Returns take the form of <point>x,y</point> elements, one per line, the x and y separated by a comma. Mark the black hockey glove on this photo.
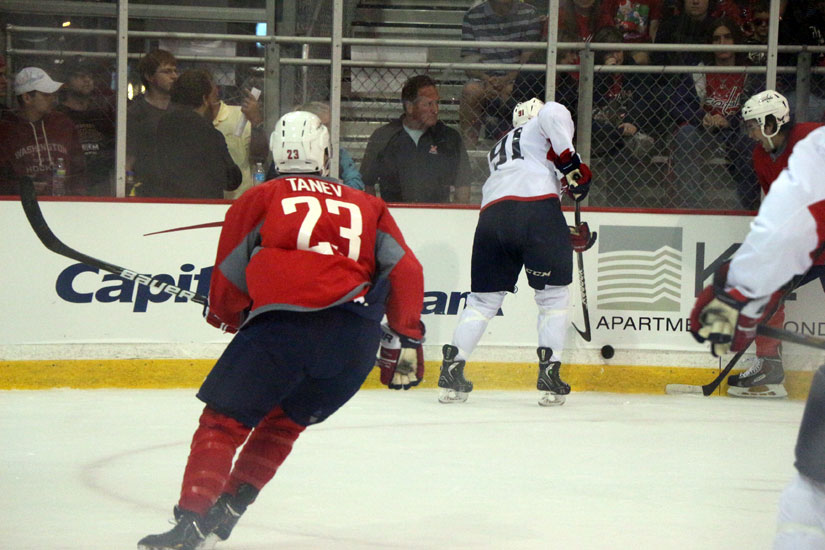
<point>576,175</point>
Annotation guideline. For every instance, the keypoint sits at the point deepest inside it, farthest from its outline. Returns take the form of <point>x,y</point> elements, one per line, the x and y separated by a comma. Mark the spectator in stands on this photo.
<point>637,20</point>
<point>761,21</point>
<point>803,23</point>
<point>94,120</point>
<point>622,103</point>
<point>487,92</point>
<point>691,26</point>
<point>347,171</point>
<point>530,84</point>
<point>158,71</point>
<point>706,106</point>
<point>417,158</point>
<point>252,145</point>
<point>192,155</point>
<point>577,19</point>
<point>741,12</point>
<point>35,137</point>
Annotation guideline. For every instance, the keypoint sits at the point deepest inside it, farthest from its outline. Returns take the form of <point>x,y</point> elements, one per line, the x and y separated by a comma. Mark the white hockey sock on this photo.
<point>553,302</point>
<point>480,308</point>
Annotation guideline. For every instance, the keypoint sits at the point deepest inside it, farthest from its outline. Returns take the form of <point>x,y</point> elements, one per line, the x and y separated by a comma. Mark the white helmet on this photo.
<point>526,110</point>
<point>300,143</point>
<point>767,103</point>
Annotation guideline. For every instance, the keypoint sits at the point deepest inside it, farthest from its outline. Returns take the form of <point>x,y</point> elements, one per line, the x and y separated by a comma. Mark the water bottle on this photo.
<point>59,178</point>
<point>260,175</point>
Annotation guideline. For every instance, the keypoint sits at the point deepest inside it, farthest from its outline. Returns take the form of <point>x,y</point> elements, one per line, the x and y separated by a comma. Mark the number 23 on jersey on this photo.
<point>315,208</point>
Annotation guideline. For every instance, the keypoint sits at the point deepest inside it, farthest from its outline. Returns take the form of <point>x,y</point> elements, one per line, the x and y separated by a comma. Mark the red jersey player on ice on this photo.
<point>767,121</point>
<point>305,271</point>
<point>785,238</point>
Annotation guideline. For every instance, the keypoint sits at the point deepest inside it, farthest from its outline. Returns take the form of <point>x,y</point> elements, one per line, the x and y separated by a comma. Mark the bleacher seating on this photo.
<point>363,111</point>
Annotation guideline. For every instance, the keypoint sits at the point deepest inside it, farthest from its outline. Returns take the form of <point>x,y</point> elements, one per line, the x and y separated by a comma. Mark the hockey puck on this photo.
<point>607,351</point>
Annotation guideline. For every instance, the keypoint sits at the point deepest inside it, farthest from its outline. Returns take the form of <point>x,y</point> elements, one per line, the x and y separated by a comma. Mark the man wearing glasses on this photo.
<point>158,72</point>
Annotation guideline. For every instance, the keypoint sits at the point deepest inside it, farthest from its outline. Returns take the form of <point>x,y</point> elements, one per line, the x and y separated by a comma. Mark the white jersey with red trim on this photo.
<point>790,227</point>
<point>521,163</point>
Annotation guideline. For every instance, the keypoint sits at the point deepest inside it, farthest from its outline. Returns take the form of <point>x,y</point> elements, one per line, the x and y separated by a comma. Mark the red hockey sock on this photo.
<point>210,460</point>
<point>769,347</point>
<point>267,448</point>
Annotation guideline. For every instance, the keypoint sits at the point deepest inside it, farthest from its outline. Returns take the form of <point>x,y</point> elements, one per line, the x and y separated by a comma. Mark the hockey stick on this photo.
<point>710,387</point>
<point>764,330</point>
<point>791,337</point>
<point>28,198</point>
<point>585,334</point>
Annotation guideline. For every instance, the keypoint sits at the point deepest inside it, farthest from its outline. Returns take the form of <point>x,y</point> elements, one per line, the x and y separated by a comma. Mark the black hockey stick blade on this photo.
<point>791,337</point>
<point>28,198</point>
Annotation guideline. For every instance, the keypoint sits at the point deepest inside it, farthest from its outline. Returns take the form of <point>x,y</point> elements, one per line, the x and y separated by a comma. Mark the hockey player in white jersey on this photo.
<point>521,224</point>
<point>785,239</point>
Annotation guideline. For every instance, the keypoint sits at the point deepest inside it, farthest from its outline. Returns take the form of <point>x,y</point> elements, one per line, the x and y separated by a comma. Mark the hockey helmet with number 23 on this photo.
<point>764,104</point>
<point>300,144</point>
<point>526,110</point>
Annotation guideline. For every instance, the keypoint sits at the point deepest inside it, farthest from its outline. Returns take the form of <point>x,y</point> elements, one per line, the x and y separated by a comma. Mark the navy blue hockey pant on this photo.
<point>308,363</point>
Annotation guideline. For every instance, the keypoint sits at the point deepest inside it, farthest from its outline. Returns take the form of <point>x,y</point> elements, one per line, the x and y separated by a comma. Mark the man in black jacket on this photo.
<point>192,155</point>
<point>417,158</point>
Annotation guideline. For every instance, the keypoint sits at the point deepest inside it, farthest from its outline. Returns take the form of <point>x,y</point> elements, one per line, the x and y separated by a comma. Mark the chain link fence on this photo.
<point>645,139</point>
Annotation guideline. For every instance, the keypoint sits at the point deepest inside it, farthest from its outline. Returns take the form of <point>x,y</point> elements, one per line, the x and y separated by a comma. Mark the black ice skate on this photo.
<point>187,534</point>
<point>225,513</point>
<point>551,387</point>
<point>454,387</point>
<point>762,379</point>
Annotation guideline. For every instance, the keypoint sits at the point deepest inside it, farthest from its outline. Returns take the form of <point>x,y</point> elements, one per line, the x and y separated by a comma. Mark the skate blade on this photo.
<point>209,542</point>
<point>452,396</point>
<point>550,399</point>
<point>683,389</point>
<point>766,391</point>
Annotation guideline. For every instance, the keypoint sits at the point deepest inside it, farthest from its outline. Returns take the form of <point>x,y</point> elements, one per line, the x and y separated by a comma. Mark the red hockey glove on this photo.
<point>400,359</point>
<point>576,174</point>
<point>581,238</point>
<point>216,321</point>
<point>727,318</point>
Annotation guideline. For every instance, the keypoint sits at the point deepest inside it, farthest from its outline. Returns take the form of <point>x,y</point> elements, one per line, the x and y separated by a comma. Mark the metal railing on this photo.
<point>282,55</point>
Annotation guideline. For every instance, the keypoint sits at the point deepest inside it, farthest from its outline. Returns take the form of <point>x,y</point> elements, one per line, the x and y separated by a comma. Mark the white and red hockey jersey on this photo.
<point>789,230</point>
<point>304,243</point>
<point>521,163</point>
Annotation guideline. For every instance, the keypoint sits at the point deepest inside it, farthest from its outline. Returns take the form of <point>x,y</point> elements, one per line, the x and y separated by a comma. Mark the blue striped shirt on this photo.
<point>482,23</point>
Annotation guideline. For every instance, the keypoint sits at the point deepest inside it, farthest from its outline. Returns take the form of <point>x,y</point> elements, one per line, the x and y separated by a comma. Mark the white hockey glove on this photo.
<point>727,319</point>
<point>400,359</point>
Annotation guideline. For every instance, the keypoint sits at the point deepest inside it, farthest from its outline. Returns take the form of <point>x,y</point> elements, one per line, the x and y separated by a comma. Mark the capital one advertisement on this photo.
<point>642,276</point>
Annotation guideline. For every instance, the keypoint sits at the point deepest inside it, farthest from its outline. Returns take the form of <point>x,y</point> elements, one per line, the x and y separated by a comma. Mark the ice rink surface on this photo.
<point>100,469</point>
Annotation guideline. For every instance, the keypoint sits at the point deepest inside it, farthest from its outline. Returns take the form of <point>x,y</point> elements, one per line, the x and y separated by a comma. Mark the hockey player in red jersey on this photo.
<point>785,238</point>
<point>522,225</point>
<point>305,271</point>
<point>767,121</point>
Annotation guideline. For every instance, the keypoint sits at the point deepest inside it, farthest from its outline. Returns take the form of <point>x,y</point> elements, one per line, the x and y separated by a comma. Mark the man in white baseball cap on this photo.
<point>34,79</point>
<point>38,142</point>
